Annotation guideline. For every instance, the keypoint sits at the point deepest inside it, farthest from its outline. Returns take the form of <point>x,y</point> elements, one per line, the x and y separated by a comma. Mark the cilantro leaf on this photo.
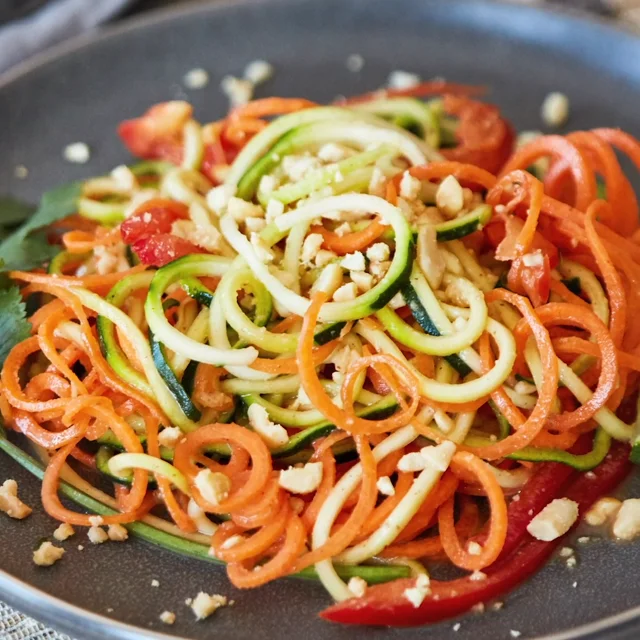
<point>14,212</point>
<point>27,248</point>
<point>14,326</point>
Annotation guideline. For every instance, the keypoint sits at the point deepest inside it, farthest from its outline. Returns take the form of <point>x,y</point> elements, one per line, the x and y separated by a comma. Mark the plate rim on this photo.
<point>51,610</point>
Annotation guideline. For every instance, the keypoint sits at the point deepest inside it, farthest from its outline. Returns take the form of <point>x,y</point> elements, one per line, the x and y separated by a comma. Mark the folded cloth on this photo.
<point>56,21</point>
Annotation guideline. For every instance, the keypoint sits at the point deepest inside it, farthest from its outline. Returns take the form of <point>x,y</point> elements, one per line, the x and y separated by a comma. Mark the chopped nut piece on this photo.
<point>97,535</point>
<point>196,79</point>
<point>554,520</point>
<point>219,197</point>
<point>117,533</point>
<point>409,186</point>
<point>364,281</point>
<point>47,554</point>
<point>240,209</point>
<point>324,257</point>
<point>167,617</point>
<point>417,594</point>
<point>473,548</point>
<point>378,252</point>
<point>397,301</point>
<point>258,71</point>
<point>169,437</point>
<point>353,261</point>
<point>555,109</point>
<point>412,461</point>
<point>403,80</point>
<point>385,486</point>
<point>297,167</point>
<point>357,586</point>
<point>332,152</point>
<point>627,523</point>
<point>343,229</point>
<point>203,605</point>
<point>346,292</point>
<point>310,247</point>
<point>603,511</point>
<point>533,259</point>
<point>77,153</point>
<point>275,208</point>
<point>10,503</point>
<point>449,196</point>
<point>274,435</point>
<point>213,486</point>
<point>63,532</point>
<point>301,480</point>
<point>255,225</point>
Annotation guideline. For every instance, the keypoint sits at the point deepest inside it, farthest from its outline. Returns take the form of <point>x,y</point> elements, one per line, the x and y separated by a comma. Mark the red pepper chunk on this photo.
<point>158,133</point>
<point>534,281</point>
<point>386,604</point>
<point>163,248</point>
<point>152,217</point>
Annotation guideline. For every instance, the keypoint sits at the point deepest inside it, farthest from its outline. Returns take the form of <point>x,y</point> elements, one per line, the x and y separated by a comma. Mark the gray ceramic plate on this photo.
<point>87,88</point>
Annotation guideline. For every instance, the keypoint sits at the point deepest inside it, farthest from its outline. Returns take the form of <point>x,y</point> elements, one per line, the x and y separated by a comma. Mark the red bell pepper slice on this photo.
<point>386,604</point>
<point>158,133</point>
<point>532,281</point>
<point>549,479</point>
<point>152,217</point>
<point>164,248</point>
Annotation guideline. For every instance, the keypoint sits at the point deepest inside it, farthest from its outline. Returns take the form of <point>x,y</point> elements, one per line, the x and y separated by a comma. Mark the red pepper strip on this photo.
<point>163,248</point>
<point>386,604</point>
<point>542,488</point>
<point>545,484</point>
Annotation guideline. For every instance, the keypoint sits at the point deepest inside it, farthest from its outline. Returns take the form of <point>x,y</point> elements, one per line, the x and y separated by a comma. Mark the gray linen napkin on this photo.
<point>57,21</point>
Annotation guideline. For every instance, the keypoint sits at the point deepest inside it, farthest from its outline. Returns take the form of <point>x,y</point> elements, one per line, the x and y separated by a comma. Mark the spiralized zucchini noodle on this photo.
<point>329,336</point>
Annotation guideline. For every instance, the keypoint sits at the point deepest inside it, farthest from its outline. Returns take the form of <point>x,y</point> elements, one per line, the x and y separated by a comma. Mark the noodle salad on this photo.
<point>342,342</point>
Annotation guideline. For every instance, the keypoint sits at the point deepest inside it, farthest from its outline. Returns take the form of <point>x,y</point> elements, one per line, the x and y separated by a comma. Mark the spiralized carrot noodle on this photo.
<point>612,279</point>
<point>231,434</point>
<point>553,254</point>
<point>348,531</point>
<point>484,137</point>
<point>468,463</point>
<point>82,241</point>
<point>526,189</point>
<point>460,170</point>
<point>526,429</point>
<point>563,313</point>
<point>345,418</point>
<point>558,147</point>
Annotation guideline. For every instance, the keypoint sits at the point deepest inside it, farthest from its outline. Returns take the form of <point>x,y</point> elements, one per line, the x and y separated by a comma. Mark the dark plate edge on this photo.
<point>68,617</point>
<point>72,619</point>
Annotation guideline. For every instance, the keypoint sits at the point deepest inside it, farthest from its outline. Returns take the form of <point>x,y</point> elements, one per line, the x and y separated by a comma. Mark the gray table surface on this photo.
<point>14,625</point>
